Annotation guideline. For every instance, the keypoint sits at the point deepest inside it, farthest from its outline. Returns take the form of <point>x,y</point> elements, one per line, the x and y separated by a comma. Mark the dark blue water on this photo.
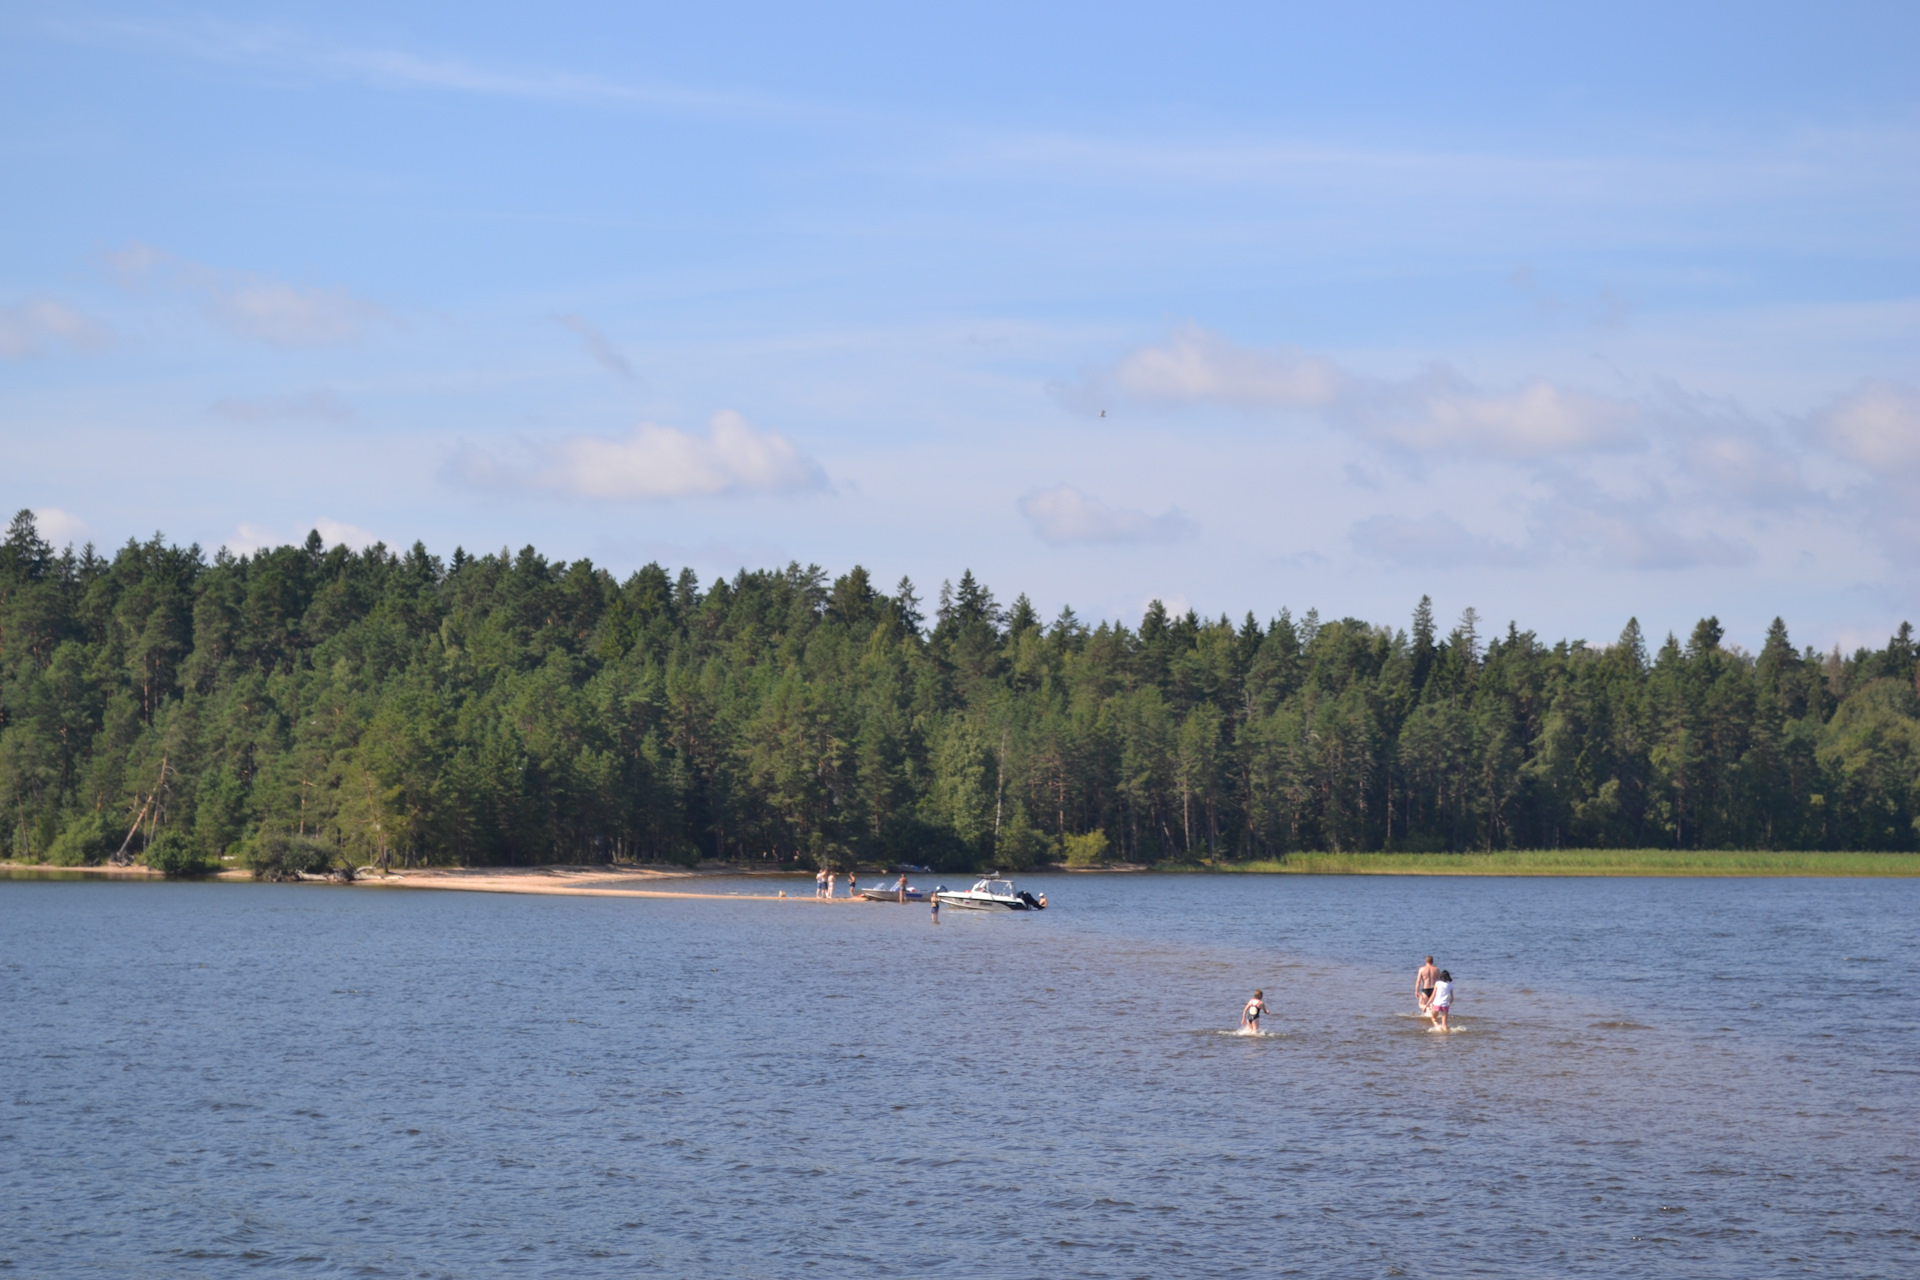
<point>1652,1078</point>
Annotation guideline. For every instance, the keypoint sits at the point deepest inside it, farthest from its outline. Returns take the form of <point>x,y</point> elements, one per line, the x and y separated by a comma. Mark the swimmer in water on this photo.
<point>1423,983</point>
<point>1250,1016</point>
<point>1442,1001</point>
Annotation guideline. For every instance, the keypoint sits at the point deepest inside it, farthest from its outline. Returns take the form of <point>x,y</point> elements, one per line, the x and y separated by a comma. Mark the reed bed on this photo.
<point>1591,862</point>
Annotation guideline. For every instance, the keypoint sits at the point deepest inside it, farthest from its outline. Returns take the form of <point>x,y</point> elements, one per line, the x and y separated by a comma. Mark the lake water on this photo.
<point>1652,1078</point>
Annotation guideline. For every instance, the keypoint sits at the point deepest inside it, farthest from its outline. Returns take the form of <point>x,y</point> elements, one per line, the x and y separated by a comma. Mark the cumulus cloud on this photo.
<point>603,352</point>
<point>253,306</point>
<point>1198,367</point>
<point>340,533</point>
<point>1435,414</point>
<point>309,406</point>
<point>653,462</point>
<point>38,325</point>
<point>60,528</point>
<point>249,538</point>
<point>1064,516</point>
<point>1663,480</point>
<point>1440,413</point>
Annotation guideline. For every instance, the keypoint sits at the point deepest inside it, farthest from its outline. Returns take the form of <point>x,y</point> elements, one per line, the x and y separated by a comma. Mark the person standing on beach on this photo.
<point>831,877</point>
<point>1441,1002</point>
<point>820,883</point>
<point>853,884</point>
<point>1423,983</point>
<point>900,887</point>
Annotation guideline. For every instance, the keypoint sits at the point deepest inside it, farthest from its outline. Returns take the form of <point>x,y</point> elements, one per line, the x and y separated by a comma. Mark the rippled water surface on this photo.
<point>1652,1078</point>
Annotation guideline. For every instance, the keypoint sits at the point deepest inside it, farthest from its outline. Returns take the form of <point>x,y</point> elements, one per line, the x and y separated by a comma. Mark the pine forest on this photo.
<point>507,709</point>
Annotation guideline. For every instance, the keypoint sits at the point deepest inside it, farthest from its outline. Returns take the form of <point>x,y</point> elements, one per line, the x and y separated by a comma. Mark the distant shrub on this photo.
<point>86,842</point>
<point>1087,850</point>
<point>174,854</point>
<point>283,857</point>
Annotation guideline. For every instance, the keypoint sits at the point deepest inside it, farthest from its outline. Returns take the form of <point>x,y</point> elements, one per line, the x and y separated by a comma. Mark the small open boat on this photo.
<point>891,893</point>
<point>991,894</point>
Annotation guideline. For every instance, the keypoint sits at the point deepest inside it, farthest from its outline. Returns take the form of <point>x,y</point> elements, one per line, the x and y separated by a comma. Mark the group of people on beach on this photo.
<point>1432,987</point>
<point>824,882</point>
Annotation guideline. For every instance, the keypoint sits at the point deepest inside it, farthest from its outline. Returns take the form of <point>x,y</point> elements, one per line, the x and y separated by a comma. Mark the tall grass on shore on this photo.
<point>1592,862</point>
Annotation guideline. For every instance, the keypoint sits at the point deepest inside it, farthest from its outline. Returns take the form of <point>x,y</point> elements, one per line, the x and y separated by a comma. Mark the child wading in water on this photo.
<point>1250,1016</point>
<point>1442,1001</point>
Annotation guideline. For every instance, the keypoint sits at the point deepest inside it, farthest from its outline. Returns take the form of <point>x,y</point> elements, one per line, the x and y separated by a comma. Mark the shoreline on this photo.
<point>632,881</point>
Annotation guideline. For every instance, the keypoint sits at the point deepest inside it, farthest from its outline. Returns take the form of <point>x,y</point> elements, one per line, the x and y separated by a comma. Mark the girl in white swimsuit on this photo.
<point>1442,1001</point>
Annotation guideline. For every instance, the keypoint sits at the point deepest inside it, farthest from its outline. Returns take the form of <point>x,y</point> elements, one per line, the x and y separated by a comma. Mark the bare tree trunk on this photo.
<point>120,856</point>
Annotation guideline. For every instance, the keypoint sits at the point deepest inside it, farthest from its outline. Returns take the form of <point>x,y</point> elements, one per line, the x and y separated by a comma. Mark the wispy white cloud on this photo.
<point>1804,166</point>
<point>39,325</point>
<point>310,406</point>
<point>1877,426</point>
<point>603,352</point>
<point>1579,525</point>
<point>1652,529</point>
<point>1875,433</point>
<point>1434,541</point>
<point>654,462</point>
<point>285,49</point>
<point>250,305</point>
<point>1064,516</point>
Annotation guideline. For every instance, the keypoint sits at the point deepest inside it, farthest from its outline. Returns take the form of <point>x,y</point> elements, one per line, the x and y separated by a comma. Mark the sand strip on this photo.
<point>584,883</point>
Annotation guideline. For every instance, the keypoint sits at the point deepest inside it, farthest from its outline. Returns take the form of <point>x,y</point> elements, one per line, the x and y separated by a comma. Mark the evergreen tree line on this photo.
<point>506,709</point>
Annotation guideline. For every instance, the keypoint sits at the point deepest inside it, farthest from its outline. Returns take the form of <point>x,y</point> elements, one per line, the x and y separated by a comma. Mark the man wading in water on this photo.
<point>1423,983</point>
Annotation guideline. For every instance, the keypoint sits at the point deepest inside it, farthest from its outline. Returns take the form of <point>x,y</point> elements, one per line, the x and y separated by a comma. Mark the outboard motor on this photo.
<point>1031,902</point>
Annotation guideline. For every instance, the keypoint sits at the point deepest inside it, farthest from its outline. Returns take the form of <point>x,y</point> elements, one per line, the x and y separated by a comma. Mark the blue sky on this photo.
<point>1564,316</point>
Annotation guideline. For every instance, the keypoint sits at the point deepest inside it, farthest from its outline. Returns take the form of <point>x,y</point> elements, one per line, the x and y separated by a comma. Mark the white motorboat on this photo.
<point>892,893</point>
<point>991,894</point>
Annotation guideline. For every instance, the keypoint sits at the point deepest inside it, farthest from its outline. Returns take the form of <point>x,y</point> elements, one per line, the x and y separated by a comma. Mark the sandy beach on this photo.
<point>603,882</point>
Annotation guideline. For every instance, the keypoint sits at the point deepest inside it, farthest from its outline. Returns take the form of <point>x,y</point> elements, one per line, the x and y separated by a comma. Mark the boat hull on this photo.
<point>967,902</point>
<point>892,895</point>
